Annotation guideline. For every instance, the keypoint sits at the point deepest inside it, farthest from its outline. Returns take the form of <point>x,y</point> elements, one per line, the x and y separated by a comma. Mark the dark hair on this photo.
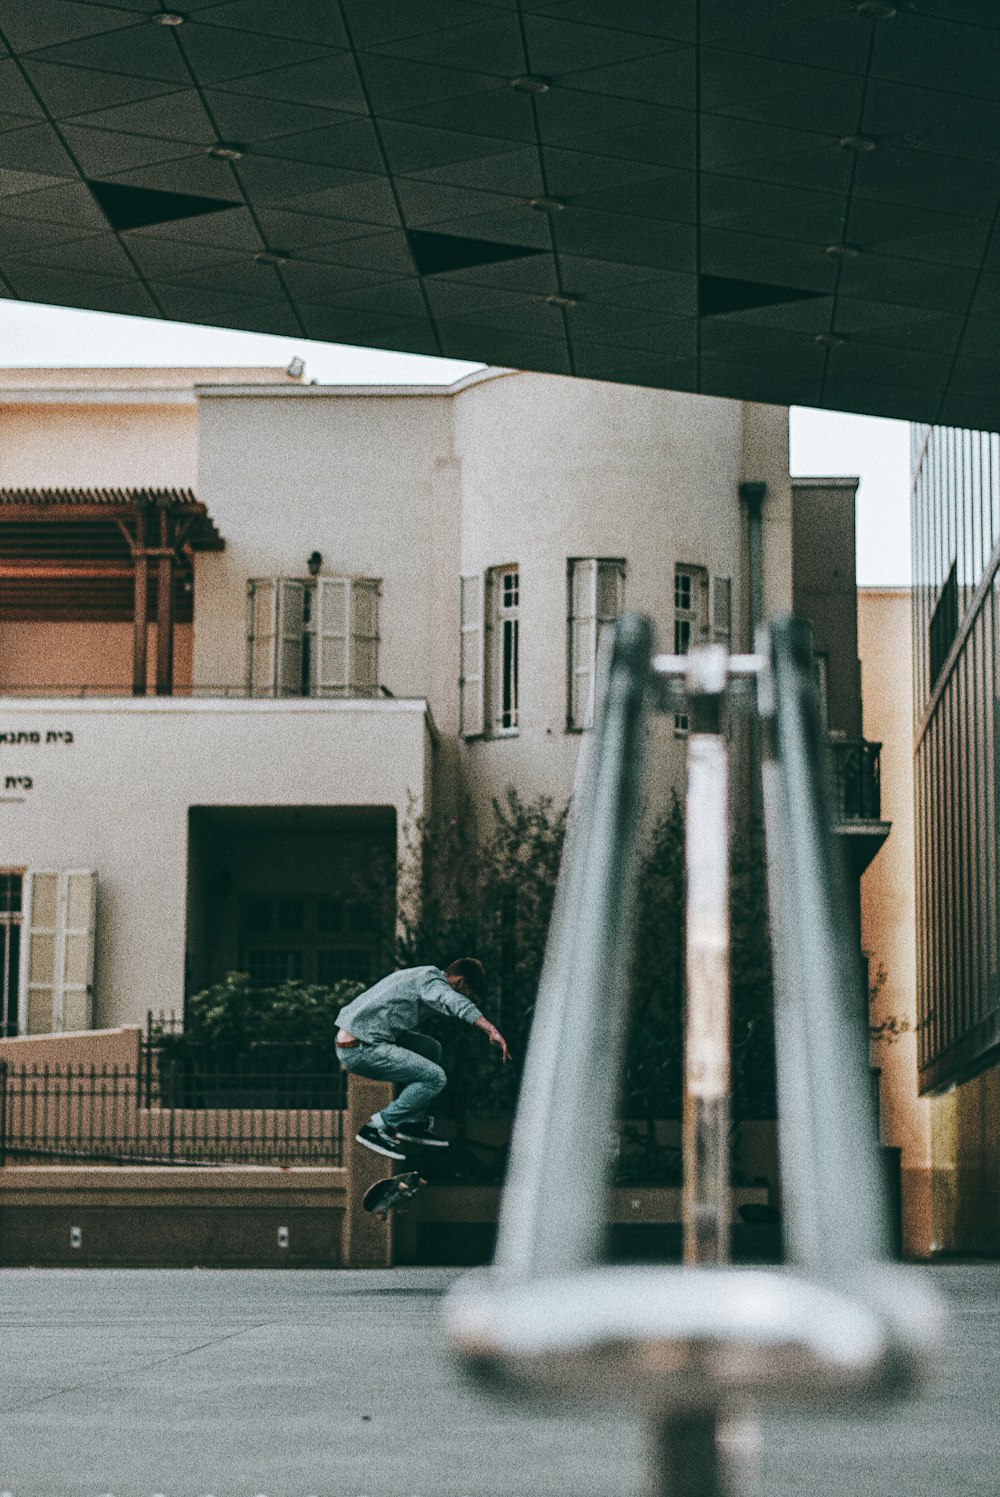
<point>470,968</point>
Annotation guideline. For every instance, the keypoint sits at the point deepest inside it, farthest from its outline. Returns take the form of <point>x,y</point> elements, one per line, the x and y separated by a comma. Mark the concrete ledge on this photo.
<point>155,1185</point>
<point>627,1203</point>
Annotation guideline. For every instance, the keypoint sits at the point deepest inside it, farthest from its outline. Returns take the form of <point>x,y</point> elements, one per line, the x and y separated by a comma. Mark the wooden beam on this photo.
<point>165,607</point>
<point>20,571</point>
<point>140,607</point>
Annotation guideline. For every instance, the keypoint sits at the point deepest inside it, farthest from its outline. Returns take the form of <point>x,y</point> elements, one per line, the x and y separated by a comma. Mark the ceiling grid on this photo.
<point>783,200</point>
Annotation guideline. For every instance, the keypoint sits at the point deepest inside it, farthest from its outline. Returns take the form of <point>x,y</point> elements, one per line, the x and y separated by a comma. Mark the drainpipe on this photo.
<point>752,495</point>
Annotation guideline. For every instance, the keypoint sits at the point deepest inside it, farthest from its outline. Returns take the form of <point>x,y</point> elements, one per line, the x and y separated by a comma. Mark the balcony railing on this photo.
<point>229,691</point>
<point>856,790</point>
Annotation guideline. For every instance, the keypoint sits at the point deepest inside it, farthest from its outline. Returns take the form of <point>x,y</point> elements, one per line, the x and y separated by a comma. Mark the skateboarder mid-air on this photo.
<point>378,1037</point>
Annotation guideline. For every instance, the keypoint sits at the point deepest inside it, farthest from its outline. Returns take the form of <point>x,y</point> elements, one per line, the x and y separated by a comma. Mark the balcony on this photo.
<point>857,799</point>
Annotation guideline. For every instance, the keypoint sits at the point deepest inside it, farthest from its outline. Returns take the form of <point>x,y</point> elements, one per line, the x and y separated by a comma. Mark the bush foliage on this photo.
<point>490,895</point>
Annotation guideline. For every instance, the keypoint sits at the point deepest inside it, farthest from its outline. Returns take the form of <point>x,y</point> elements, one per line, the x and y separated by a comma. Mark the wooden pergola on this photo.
<point>105,555</point>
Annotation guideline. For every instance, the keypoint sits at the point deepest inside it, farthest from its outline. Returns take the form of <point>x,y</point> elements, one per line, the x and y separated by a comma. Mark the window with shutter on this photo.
<point>690,621</point>
<point>332,611</point>
<point>346,623</point>
<point>364,636</point>
<point>57,970</point>
<point>262,630</point>
<point>291,622</point>
<point>596,594</point>
<point>472,622</point>
<point>720,610</point>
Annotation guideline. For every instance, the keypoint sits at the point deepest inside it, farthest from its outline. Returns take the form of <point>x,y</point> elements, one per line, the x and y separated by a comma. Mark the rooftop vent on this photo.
<point>718,294</point>
<point>435,253</point>
<point>136,207</point>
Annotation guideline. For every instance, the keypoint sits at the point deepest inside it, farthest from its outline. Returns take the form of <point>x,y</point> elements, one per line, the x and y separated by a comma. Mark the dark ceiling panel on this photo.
<point>541,183</point>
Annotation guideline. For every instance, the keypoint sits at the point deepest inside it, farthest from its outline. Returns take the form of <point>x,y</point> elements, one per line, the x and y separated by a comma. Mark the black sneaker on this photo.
<point>421,1133</point>
<point>380,1140</point>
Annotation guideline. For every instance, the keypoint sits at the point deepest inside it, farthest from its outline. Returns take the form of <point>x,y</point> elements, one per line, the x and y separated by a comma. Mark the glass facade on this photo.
<point>956,615</point>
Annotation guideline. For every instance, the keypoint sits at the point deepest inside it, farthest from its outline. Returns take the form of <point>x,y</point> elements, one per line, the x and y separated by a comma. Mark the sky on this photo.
<point>823,443</point>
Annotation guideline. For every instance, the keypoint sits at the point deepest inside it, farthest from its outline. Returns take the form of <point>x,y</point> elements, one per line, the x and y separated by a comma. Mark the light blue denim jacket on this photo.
<point>380,1013</point>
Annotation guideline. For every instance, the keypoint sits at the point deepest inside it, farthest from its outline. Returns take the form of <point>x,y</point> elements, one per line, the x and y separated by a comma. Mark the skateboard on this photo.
<point>395,1190</point>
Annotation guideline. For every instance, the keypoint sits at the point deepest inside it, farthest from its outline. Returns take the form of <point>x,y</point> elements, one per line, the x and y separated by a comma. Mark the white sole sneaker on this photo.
<point>369,1143</point>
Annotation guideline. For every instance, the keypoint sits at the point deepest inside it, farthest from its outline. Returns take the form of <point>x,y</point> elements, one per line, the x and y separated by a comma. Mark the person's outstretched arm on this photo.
<point>493,1035</point>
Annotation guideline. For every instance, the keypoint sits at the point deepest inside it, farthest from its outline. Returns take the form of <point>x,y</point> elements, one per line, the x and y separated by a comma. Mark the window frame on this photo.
<point>10,969</point>
<point>503,691</point>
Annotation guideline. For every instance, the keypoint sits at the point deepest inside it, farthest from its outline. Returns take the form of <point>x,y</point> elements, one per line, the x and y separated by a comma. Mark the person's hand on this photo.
<point>497,1039</point>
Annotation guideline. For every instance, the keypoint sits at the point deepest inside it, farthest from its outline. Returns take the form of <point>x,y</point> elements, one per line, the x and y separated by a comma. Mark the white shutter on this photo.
<point>472,628</point>
<point>291,623</point>
<point>582,642</point>
<point>57,963</point>
<point>332,655</point>
<point>262,630</point>
<point>720,610</point>
<point>363,676</point>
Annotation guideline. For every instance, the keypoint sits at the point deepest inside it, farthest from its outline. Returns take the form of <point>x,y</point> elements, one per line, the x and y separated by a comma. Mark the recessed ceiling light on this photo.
<point>843,251</point>
<point>226,153</point>
<point>560,299</point>
<point>547,205</point>
<point>531,83</point>
<point>168,18</point>
<point>829,340</point>
<point>876,10</point>
<point>859,143</point>
<point>271,257</point>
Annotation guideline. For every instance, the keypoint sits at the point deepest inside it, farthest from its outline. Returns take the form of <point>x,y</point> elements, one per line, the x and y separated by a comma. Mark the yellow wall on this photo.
<point>74,657</point>
<point>950,1144</point>
<point>888,902</point>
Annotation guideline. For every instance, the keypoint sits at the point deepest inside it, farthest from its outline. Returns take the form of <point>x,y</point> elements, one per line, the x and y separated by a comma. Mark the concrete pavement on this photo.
<point>320,1384</point>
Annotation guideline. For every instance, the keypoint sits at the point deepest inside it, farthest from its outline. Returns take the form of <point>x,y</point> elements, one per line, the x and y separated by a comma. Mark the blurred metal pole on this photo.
<point>705,1206</point>
<point>686,1448</point>
<point>686,1459</point>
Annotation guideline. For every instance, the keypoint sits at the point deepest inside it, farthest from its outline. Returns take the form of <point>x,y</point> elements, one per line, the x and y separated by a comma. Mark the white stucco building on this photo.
<point>249,628</point>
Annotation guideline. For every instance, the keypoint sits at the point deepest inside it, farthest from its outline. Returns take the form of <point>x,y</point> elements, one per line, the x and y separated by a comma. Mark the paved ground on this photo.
<point>286,1384</point>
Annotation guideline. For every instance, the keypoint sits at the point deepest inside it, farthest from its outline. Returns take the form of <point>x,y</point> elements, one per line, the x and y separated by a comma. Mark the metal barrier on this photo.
<point>695,1348</point>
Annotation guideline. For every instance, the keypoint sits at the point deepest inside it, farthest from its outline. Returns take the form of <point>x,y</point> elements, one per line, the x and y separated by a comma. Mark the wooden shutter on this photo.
<point>57,963</point>
<point>332,655</point>
<point>582,642</point>
<point>262,631</point>
<point>472,629</point>
<point>720,610</point>
<point>291,623</point>
<point>364,637</point>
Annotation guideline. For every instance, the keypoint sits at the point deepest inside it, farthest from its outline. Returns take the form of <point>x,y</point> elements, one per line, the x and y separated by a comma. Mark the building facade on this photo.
<point>251,629</point>
<point>956,555</point>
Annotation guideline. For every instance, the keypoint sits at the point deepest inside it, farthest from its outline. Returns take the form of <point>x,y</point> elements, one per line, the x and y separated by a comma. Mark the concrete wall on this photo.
<point>824,589</point>
<point>354,477</point>
<point>116,799</point>
<point>555,468</point>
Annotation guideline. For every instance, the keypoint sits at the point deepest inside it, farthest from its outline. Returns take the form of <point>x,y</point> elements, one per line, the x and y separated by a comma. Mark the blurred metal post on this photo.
<point>706,1196</point>
<point>553,1214</point>
<point>686,1458</point>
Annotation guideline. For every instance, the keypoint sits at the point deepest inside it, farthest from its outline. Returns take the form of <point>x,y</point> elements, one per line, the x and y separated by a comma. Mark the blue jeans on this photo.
<point>414,1064</point>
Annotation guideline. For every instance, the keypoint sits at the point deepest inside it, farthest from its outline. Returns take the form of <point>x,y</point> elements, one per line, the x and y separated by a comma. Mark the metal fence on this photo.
<point>114,1115</point>
<point>857,792</point>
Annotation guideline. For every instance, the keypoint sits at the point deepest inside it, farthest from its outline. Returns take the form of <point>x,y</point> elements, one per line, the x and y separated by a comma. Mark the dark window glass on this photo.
<point>944,625</point>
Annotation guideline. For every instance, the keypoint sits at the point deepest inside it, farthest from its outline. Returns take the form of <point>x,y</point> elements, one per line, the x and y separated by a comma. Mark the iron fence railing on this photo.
<point>856,788</point>
<point>113,1115</point>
